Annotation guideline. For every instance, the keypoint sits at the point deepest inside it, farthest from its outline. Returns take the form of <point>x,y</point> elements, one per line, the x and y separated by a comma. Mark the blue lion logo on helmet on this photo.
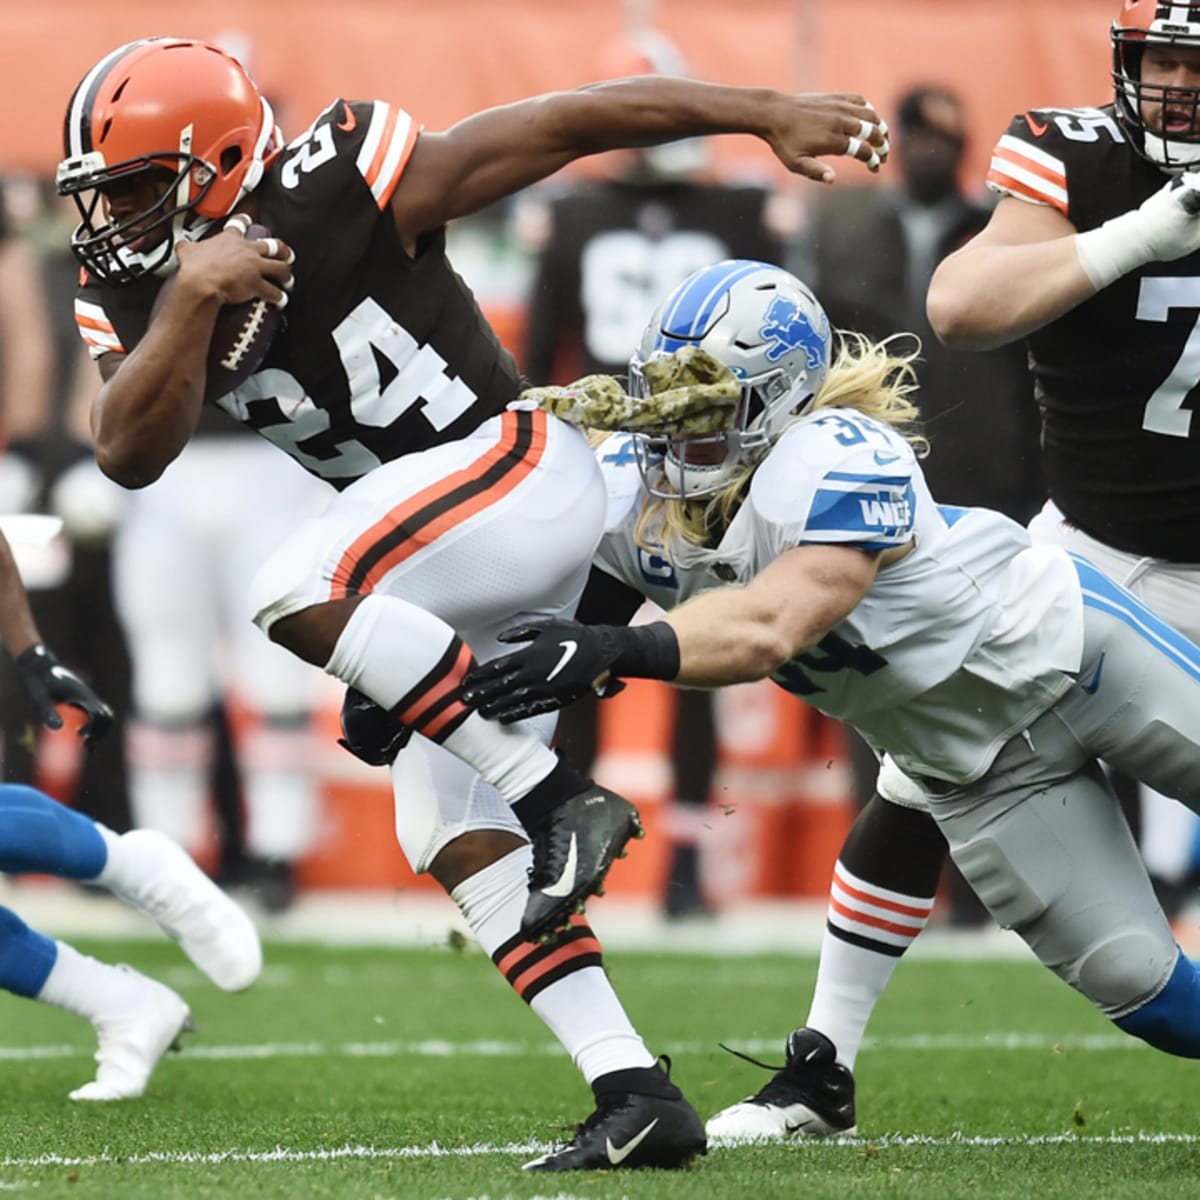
<point>789,327</point>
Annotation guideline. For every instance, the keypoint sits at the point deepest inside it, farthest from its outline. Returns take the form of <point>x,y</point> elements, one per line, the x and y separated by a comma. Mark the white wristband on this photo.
<point>1114,249</point>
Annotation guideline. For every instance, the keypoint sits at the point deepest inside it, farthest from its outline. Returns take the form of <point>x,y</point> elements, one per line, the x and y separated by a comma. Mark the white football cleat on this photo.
<point>812,1095</point>
<point>211,929</point>
<point>133,1042</point>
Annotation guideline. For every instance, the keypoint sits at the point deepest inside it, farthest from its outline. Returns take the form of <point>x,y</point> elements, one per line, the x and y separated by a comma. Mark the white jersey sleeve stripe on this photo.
<point>1028,173</point>
<point>1014,148</point>
<point>386,149</point>
<point>96,329</point>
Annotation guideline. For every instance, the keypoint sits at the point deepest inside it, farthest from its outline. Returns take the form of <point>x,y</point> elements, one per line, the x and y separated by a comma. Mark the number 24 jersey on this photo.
<point>381,354</point>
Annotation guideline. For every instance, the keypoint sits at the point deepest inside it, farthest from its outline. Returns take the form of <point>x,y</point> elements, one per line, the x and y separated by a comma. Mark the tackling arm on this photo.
<point>739,634</point>
<point>732,635</point>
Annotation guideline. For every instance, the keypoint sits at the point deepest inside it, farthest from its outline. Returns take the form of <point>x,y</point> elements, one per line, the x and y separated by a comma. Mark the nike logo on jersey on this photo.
<point>618,1154</point>
<point>1037,128</point>
<point>568,653</point>
<point>566,881</point>
<point>883,459</point>
<point>351,122</point>
<point>1093,683</point>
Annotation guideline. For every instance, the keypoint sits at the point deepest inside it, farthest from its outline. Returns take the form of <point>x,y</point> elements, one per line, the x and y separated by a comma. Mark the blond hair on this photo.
<point>871,377</point>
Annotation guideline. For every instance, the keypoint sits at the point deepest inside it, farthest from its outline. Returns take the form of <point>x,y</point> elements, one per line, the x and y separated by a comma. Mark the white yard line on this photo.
<point>283,1154</point>
<point>436,1048</point>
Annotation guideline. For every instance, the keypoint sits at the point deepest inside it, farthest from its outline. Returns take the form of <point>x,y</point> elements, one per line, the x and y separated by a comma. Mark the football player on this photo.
<point>612,247</point>
<point>137,1019</point>
<point>455,511</point>
<point>1093,256</point>
<point>995,670</point>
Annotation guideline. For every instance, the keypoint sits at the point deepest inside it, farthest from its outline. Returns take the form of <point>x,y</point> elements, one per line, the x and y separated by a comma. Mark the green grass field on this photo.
<point>381,1073</point>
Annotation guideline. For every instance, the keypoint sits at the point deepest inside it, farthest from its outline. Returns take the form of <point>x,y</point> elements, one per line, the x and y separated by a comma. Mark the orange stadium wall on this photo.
<point>780,802</point>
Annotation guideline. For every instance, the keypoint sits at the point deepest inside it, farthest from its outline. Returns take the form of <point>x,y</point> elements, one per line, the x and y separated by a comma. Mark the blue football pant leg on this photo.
<point>37,834</point>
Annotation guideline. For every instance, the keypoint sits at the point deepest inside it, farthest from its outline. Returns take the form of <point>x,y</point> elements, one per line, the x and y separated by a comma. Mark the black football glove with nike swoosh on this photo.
<point>49,683</point>
<point>564,660</point>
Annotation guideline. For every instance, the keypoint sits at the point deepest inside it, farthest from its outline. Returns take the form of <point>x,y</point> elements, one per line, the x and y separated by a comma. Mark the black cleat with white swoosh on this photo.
<point>811,1095</point>
<point>630,1130</point>
<point>573,848</point>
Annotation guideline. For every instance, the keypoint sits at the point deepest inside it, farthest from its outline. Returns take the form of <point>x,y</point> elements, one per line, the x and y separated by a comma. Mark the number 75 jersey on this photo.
<point>954,648</point>
<point>382,354</point>
<point>1116,378</point>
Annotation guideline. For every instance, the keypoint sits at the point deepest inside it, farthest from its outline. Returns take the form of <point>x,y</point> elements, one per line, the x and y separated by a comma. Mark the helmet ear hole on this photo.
<point>230,157</point>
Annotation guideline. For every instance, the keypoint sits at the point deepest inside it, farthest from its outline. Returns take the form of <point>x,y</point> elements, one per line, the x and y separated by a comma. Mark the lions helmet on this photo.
<point>771,332</point>
<point>1141,23</point>
<point>174,111</point>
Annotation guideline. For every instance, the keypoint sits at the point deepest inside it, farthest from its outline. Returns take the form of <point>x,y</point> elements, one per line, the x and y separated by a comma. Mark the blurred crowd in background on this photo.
<point>226,743</point>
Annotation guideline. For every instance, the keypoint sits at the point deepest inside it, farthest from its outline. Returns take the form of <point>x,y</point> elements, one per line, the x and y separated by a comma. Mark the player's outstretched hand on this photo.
<point>559,662</point>
<point>807,125</point>
<point>50,684</point>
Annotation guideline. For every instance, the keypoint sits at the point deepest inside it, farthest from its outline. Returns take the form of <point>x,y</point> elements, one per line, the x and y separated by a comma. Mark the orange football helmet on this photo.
<point>180,114</point>
<point>1152,21</point>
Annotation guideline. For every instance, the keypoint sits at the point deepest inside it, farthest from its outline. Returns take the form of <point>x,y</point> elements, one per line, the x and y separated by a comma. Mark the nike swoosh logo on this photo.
<point>1093,683</point>
<point>566,881</point>
<point>883,459</point>
<point>618,1154</point>
<point>1037,128</point>
<point>568,653</point>
<point>351,122</point>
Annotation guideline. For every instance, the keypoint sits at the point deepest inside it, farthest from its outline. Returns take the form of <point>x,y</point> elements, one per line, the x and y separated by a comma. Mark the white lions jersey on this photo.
<point>954,649</point>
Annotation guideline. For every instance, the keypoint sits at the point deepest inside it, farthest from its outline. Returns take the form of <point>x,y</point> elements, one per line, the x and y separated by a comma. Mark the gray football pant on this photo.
<point>1041,838</point>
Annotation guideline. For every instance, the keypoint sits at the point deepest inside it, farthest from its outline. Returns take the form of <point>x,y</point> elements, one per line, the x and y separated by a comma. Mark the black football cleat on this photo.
<point>629,1131</point>
<point>573,849</point>
<point>812,1095</point>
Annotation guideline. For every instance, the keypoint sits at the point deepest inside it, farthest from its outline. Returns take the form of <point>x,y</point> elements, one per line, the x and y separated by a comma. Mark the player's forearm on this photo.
<point>735,635</point>
<point>985,296</point>
<point>144,414</point>
<point>649,109</point>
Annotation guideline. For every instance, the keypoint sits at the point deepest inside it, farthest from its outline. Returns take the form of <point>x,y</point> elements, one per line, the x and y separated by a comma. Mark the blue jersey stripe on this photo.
<point>883,481</point>
<point>1102,594</point>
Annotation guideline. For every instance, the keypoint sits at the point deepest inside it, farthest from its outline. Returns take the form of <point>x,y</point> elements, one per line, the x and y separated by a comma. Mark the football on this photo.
<point>241,336</point>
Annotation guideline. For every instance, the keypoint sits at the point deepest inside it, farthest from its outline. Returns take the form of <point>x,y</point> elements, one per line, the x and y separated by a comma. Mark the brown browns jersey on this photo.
<point>382,354</point>
<point>1116,378</point>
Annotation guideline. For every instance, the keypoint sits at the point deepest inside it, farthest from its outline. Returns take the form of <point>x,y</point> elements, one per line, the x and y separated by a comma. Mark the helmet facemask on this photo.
<point>1173,151</point>
<point>144,243</point>
<point>771,332</point>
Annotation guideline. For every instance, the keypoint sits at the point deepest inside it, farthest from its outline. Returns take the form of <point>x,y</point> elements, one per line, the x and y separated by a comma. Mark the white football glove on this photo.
<point>1164,227</point>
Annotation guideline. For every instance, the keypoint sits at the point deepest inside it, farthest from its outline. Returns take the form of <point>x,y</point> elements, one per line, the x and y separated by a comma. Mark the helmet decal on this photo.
<point>788,327</point>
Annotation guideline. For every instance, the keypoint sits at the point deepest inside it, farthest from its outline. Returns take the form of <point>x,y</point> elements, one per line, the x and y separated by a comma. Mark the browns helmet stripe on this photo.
<point>77,128</point>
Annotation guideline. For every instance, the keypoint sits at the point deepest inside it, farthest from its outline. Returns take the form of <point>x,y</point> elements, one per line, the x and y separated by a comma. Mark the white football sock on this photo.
<point>580,1009</point>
